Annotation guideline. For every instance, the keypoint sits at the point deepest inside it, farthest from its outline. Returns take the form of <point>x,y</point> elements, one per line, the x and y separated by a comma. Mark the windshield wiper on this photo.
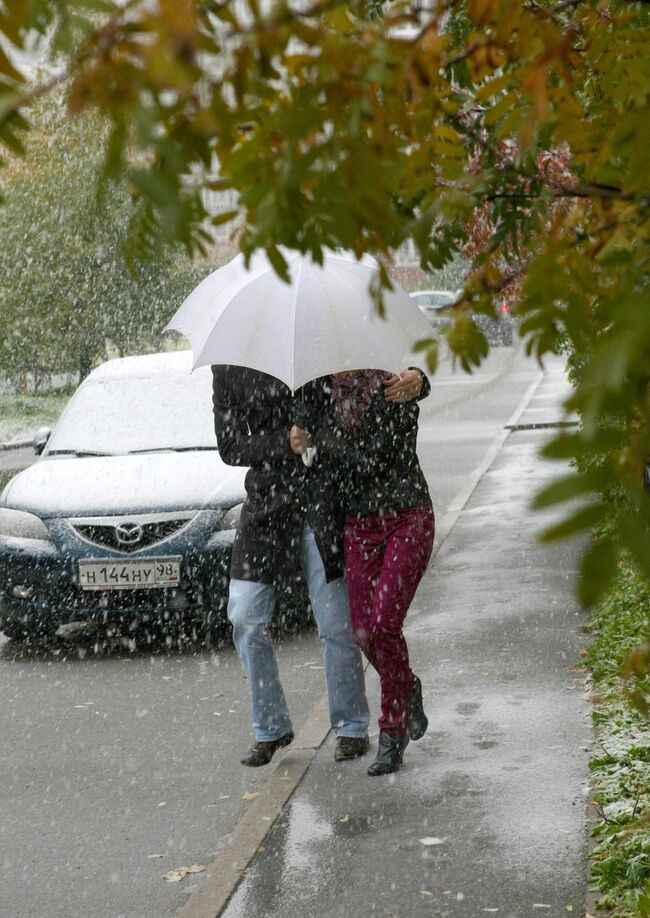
<point>172,449</point>
<point>76,452</point>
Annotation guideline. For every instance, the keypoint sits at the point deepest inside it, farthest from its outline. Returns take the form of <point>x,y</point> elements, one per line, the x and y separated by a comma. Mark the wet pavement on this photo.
<point>488,813</point>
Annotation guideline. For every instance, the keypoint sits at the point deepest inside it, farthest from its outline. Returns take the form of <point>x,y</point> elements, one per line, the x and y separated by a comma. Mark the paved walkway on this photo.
<point>488,814</point>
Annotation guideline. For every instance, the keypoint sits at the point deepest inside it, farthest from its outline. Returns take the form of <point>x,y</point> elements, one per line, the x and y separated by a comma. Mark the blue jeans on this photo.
<point>250,607</point>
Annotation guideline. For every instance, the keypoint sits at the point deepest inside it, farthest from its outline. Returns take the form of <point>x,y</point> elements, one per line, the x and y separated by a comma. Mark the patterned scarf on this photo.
<point>352,394</point>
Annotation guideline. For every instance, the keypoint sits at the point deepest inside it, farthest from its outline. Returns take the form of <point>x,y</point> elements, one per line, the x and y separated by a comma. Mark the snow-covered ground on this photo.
<point>21,416</point>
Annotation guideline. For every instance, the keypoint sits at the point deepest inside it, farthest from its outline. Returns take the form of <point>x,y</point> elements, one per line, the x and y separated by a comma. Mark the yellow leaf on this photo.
<point>175,876</point>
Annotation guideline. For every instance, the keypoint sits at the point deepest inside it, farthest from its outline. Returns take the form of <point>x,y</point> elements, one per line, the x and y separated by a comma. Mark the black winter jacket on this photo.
<point>253,413</point>
<point>379,469</point>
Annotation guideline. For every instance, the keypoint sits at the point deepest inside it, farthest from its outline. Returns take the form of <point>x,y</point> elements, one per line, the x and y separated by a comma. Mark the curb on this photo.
<point>226,870</point>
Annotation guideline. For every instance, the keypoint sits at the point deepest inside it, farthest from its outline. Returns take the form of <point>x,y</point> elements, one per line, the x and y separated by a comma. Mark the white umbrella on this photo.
<point>323,323</point>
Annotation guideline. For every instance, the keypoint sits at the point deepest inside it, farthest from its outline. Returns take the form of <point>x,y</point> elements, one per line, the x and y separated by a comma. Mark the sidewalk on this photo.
<point>488,813</point>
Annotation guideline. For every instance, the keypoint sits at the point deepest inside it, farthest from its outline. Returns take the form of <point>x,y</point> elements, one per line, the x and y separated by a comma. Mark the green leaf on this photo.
<point>225,217</point>
<point>279,264</point>
<point>568,487</point>
<point>635,535</point>
<point>585,518</point>
<point>597,570</point>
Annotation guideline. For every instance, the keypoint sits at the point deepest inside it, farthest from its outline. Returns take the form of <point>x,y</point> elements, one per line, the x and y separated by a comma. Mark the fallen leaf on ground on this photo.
<point>583,653</point>
<point>163,803</point>
<point>432,841</point>
<point>345,818</point>
<point>174,876</point>
<point>248,796</point>
<point>540,905</point>
<point>569,908</point>
<point>425,892</point>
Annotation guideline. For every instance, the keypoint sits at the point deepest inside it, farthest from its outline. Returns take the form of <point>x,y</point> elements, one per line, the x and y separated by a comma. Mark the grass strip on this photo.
<point>22,415</point>
<point>621,770</point>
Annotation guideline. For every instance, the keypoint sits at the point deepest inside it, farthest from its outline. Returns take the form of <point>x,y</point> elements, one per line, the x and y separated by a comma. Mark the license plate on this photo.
<point>145,573</point>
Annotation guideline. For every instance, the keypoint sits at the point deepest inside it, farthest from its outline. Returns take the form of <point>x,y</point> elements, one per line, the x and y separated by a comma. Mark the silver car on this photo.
<point>434,305</point>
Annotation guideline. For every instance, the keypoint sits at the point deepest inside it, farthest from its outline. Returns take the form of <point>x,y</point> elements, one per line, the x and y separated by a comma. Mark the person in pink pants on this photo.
<point>389,532</point>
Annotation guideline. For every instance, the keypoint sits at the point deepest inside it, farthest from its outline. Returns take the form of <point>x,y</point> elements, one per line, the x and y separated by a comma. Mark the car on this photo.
<point>127,519</point>
<point>436,307</point>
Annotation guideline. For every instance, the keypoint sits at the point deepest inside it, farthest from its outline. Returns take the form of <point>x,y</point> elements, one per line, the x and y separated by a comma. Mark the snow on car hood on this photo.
<point>73,486</point>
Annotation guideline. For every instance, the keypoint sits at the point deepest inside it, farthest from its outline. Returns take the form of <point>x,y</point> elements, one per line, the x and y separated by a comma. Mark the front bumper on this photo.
<point>44,575</point>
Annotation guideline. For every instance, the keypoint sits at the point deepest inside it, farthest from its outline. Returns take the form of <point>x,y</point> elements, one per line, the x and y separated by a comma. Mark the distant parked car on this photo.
<point>128,517</point>
<point>435,306</point>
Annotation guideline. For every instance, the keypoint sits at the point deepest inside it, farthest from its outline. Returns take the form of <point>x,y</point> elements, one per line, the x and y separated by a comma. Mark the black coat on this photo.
<point>377,458</point>
<point>253,414</point>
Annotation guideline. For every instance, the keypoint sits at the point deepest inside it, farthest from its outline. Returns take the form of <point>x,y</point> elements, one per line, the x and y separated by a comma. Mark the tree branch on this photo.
<point>592,191</point>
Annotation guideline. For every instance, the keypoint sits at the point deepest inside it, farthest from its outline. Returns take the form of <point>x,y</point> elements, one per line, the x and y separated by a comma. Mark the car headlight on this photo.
<point>231,518</point>
<point>22,525</point>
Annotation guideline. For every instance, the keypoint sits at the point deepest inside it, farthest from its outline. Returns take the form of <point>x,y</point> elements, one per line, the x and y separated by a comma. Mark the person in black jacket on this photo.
<point>389,531</point>
<point>291,517</point>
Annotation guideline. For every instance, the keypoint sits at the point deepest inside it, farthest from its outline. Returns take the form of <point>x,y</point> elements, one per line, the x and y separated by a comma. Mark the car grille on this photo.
<point>129,537</point>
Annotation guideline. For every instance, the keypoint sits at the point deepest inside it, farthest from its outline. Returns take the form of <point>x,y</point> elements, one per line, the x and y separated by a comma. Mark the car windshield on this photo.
<point>137,413</point>
<point>435,299</point>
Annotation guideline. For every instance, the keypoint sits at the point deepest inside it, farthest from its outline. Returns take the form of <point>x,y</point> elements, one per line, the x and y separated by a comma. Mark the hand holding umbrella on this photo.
<point>299,436</point>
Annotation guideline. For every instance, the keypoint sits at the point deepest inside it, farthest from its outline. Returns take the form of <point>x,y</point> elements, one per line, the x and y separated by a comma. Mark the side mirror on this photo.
<point>41,437</point>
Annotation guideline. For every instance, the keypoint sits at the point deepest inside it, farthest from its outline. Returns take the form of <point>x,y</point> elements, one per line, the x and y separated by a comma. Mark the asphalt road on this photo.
<point>117,768</point>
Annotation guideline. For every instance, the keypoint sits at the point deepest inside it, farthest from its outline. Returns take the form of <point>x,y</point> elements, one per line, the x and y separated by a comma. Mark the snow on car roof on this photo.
<point>146,365</point>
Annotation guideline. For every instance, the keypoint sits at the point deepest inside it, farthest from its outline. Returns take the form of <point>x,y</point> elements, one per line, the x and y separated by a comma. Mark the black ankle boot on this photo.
<point>419,722</point>
<point>389,754</point>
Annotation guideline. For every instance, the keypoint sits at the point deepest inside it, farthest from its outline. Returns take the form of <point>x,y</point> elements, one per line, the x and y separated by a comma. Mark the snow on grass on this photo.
<point>22,415</point>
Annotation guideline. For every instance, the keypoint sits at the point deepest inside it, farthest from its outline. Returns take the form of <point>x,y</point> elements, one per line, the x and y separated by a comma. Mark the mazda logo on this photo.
<point>128,533</point>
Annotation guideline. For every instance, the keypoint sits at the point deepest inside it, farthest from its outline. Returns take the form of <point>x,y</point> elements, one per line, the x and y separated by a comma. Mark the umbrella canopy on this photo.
<point>324,322</point>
